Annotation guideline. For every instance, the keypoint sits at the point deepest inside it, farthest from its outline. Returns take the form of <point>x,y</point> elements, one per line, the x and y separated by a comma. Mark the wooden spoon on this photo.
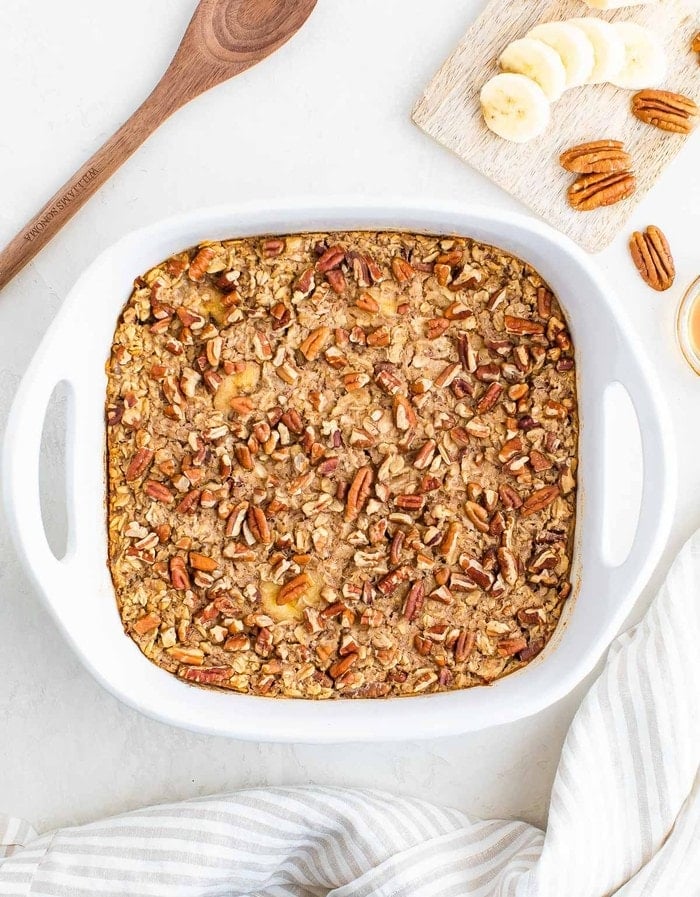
<point>224,38</point>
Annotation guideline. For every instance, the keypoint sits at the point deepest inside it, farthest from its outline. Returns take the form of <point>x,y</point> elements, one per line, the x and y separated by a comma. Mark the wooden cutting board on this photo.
<point>449,111</point>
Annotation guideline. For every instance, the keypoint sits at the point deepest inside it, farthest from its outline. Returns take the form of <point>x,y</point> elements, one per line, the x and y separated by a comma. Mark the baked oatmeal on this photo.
<point>341,465</point>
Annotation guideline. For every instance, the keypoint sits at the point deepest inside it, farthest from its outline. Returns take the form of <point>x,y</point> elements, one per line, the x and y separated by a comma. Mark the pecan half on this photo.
<point>652,256</point>
<point>293,589</point>
<point>539,500</point>
<point>258,525</point>
<point>179,577</point>
<point>202,562</point>
<point>592,191</point>
<point>389,583</point>
<point>414,601</point>
<point>597,157</point>
<point>464,645</point>
<point>200,263</point>
<point>314,343</point>
<point>158,491</point>
<point>331,258</point>
<point>665,110</point>
<point>139,464</point>
<point>404,415</point>
<point>358,492</point>
<point>207,675</point>
<point>401,269</point>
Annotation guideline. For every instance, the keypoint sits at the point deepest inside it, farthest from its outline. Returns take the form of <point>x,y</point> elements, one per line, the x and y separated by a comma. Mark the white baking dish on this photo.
<point>78,590</point>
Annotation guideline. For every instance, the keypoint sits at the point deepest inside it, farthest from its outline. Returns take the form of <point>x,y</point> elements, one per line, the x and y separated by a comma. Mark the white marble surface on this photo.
<point>328,113</point>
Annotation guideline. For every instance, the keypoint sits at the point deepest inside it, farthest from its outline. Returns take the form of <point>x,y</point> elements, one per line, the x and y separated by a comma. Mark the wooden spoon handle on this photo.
<point>98,169</point>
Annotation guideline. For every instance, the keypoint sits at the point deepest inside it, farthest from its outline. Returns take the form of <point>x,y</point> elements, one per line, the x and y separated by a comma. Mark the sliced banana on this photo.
<point>539,62</point>
<point>514,107</point>
<point>608,48</point>
<point>572,45</point>
<point>617,4</point>
<point>645,59</point>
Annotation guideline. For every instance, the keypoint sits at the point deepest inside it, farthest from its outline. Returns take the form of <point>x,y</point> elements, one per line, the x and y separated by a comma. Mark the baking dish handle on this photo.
<point>21,460</point>
<point>659,477</point>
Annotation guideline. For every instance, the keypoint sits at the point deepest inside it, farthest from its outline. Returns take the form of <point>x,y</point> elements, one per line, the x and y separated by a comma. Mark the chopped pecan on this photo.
<point>522,325</point>
<point>140,462</point>
<point>435,327</point>
<point>489,399</point>
<point>414,600</point>
<point>314,343</point>
<point>331,258</point>
<point>179,577</point>
<point>464,645</point>
<point>367,303</point>
<point>539,499</point>
<point>158,491</point>
<point>389,583</point>
<point>293,589</point>
<point>258,525</point>
<point>401,269</point>
<point>404,415</point>
<point>359,492</point>
<point>509,646</point>
<point>200,263</point>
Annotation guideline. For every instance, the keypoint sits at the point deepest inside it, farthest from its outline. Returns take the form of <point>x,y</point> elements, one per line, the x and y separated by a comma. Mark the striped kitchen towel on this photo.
<point>624,817</point>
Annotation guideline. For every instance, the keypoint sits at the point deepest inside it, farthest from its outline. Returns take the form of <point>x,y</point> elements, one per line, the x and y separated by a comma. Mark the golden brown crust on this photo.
<point>341,465</point>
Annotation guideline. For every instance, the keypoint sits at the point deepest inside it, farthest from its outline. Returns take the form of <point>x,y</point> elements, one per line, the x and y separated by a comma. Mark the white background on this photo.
<point>329,113</point>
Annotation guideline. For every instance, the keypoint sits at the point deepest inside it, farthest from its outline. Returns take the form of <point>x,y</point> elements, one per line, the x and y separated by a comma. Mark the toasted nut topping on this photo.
<point>331,258</point>
<point>401,270</point>
<point>140,463</point>
<point>258,525</point>
<point>200,263</point>
<point>344,465</point>
<point>312,346</point>
<point>522,325</point>
<point>539,500</point>
<point>367,303</point>
<point>193,656</point>
<point>508,646</point>
<point>158,491</point>
<point>294,589</point>
<point>359,492</point>
<point>404,415</point>
<point>147,623</point>
<point>436,327</point>
<point>202,562</point>
<point>178,573</point>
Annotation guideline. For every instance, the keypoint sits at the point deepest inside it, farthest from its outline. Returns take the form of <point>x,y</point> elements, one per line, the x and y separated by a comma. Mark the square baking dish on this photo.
<point>78,589</point>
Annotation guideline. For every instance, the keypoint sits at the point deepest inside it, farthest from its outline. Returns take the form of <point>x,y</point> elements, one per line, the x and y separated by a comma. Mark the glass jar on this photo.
<point>688,325</point>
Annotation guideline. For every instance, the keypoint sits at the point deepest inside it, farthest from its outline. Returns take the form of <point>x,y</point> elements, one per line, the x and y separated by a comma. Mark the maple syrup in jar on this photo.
<point>688,325</point>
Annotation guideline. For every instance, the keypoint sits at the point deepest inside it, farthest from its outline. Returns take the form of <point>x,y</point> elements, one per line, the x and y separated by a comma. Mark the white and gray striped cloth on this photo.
<point>624,817</point>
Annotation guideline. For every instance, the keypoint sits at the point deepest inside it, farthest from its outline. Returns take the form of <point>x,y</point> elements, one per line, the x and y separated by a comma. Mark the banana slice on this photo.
<point>514,107</point>
<point>617,4</point>
<point>539,62</point>
<point>608,49</point>
<point>572,45</point>
<point>645,59</point>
